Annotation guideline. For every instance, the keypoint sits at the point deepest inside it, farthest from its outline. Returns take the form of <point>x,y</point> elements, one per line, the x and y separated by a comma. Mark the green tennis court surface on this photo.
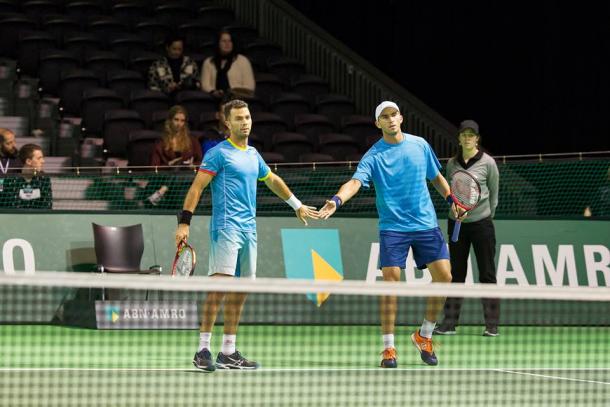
<point>304,365</point>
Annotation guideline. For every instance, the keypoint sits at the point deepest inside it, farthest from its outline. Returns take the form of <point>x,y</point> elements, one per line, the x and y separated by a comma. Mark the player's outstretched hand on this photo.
<point>182,233</point>
<point>328,209</point>
<point>305,212</point>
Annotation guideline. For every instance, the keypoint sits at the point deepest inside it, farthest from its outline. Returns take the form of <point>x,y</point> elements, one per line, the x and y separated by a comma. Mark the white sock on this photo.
<point>388,341</point>
<point>426,328</point>
<point>228,344</point>
<point>204,340</point>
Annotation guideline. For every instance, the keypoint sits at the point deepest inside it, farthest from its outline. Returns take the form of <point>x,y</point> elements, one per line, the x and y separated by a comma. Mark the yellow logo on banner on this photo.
<point>323,271</point>
<point>115,316</point>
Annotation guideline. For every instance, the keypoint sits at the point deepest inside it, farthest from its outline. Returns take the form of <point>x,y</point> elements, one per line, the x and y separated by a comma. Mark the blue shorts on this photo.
<point>428,246</point>
<point>232,252</point>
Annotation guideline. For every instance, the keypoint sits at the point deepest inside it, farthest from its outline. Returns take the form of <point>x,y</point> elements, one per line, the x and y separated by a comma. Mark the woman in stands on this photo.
<point>176,150</point>
<point>227,71</point>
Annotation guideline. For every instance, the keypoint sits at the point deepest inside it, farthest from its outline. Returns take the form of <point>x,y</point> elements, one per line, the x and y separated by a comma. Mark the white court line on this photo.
<point>551,377</point>
<point>418,369</point>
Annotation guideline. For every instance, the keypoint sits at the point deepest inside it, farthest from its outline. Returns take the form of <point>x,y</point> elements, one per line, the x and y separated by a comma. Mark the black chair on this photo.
<point>80,43</point>
<point>286,68</point>
<point>158,120</point>
<point>140,146</point>
<point>60,25</point>
<point>116,128</point>
<point>145,102</point>
<point>268,86</point>
<point>30,45</point>
<point>71,87</point>
<point>141,61</point>
<point>359,127</point>
<point>266,125</point>
<point>273,158</point>
<point>259,51</point>
<point>119,249</point>
<point>83,10</point>
<point>256,142</point>
<point>310,86</point>
<point>11,28</point>
<point>128,13</point>
<point>195,102</point>
<point>124,82</point>
<point>196,33</point>
<point>244,34</point>
<point>207,120</point>
<point>291,145</point>
<point>288,105</point>
<point>338,145</point>
<point>335,107</point>
<point>103,61</point>
<point>154,32</point>
<point>312,125</point>
<point>125,44</point>
<point>95,103</point>
<point>39,8</point>
<point>106,28</point>
<point>316,158</point>
<point>216,16</point>
<point>52,64</point>
<point>173,14</point>
<point>255,104</point>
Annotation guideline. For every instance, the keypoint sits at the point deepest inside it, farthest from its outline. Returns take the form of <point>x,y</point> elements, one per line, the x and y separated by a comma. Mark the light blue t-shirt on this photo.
<point>236,171</point>
<point>399,173</point>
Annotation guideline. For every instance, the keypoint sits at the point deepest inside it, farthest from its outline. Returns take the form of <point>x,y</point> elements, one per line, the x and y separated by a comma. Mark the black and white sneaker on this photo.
<point>235,361</point>
<point>493,331</point>
<point>445,330</point>
<point>203,360</point>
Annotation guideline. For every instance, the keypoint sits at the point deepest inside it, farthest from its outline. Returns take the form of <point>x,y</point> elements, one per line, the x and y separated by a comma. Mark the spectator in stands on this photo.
<point>600,204</point>
<point>9,162</point>
<point>227,71</point>
<point>32,189</point>
<point>477,229</point>
<point>214,135</point>
<point>175,71</point>
<point>177,148</point>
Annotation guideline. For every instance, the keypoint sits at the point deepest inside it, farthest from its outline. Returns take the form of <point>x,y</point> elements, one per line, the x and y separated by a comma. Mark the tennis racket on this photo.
<point>185,260</point>
<point>466,193</point>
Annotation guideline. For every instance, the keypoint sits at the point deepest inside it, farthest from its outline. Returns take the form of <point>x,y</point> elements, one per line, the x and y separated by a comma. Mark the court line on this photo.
<point>552,377</point>
<point>417,369</point>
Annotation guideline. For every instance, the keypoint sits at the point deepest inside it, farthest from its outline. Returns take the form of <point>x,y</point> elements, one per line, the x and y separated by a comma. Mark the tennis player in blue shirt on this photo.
<point>232,168</point>
<point>398,165</point>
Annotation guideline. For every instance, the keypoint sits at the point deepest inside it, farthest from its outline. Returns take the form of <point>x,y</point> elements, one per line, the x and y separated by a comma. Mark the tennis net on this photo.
<point>74,339</point>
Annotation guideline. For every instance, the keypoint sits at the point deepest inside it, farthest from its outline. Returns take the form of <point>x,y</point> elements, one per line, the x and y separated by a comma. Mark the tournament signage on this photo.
<point>146,314</point>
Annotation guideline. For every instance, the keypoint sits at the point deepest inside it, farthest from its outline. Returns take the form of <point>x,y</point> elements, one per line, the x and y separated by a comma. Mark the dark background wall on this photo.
<point>536,75</point>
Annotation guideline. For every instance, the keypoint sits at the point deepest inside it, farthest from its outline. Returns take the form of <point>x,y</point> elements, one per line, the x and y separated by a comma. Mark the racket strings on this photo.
<point>465,190</point>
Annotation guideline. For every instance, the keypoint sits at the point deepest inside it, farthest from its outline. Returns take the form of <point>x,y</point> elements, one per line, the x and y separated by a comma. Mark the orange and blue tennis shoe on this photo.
<point>425,348</point>
<point>389,358</point>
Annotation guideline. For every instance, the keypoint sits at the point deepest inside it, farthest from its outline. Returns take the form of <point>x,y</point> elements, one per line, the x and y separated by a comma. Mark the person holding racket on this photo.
<point>232,168</point>
<point>399,165</point>
<point>477,229</point>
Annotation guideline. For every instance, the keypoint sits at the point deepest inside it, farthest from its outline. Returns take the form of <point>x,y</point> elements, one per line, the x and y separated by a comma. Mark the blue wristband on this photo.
<point>450,199</point>
<point>337,201</point>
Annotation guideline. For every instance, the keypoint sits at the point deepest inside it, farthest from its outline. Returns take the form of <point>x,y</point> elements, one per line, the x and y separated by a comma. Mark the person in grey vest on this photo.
<point>477,229</point>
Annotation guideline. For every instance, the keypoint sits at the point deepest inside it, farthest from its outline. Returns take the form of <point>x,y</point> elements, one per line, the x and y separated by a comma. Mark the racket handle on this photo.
<point>456,231</point>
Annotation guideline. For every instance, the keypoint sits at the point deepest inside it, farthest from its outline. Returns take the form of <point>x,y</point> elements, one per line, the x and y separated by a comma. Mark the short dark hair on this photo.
<point>234,104</point>
<point>27,151</point>
<point>174,36</point>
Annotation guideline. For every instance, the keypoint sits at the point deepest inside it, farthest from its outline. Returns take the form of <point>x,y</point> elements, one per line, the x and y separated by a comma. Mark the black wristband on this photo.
<point>450,200</point>
<point>185,217</point>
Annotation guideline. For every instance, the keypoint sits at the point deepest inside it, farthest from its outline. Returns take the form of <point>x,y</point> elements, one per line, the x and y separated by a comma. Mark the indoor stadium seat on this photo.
<point>119,249</point>
<point>125,44</point>
<point>95,103</point>
<point>216,16</point>
<point>71,86</point>
<point>316,158</point>
<point>141,61</point>
<point>288,105</point>
<point>116,128</point>
<point>286,68</point>
<point>80,43</point>
<point>268,86</point>
<point>259,51</point>
<point>30,45</point>
<point>335,107</point>
<point>310,86</point>
<point>271,157</point>
<point>266,125</point>
<point>360,128</point>
<point>291,145</point>
<point>60,25</point>
<point>338,145</point>
<point>172,13</point>
<point>11,28</point>
<point>195,102</point>
<point>123,82</point>
<point>146,101</point>
<point>140,146</point>
<point>51,64</point>
<point>312,125</point>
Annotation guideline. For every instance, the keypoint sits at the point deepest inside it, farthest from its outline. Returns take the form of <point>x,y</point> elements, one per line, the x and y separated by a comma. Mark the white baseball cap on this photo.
<point>382,106</point>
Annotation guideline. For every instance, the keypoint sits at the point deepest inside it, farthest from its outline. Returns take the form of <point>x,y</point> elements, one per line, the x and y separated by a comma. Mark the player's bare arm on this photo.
<point>277,185</point>
<point>201,181</point>
<point>346,192</point>
<point>442,186</point>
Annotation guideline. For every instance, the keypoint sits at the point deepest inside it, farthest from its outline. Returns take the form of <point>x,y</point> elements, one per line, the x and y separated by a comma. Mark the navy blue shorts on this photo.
<point>428,246</point>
